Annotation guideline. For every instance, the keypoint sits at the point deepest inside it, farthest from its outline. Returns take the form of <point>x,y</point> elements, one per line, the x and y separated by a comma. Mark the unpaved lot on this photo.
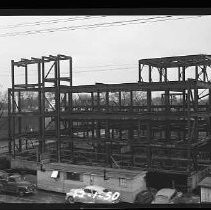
<point>39,197</point>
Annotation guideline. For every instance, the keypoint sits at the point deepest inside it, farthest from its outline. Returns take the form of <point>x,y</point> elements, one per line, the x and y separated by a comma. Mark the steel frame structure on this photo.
<point>162,137</point>
<point>15,112</point>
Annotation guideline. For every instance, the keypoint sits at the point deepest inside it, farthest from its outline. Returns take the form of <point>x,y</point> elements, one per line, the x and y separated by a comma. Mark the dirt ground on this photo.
<point>39,197</point>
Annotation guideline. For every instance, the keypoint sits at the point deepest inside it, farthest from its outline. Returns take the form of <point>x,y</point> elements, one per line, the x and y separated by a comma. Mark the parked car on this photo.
<point>188,198</point>
<point>15,183</point>
<point>166,196</point>
<point>92,194</point>
<point>146,196</point>
<point>3,174</point>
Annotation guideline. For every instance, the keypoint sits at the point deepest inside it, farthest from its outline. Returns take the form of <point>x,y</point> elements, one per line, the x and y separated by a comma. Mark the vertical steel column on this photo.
<point>107,100</point>
<point>98,100</point>
<point>70,93</point>
<point>184,104</point>
<point>160,73</point>
<point>179,74</point>
<point>112,133</point>
<point>9,122</point>
<point>19,121</point>
<point>40,95</point>
<point>87,131</point>
<point>26,75</point>
<point>188,112</point>
<point>107,139</point>
<point>109,152</point>
<point>13,106</point>
<point>167,105</point>
<point>196,73</point>
<point>65,102</point>
<point>209,103</point>
<point>120,100</point>
<point>93,137</point>
<point>195,138</point>
<point>120,104</point>
<point>92,101</point>
<point>71,71</point>
<point>139,72</point>
<point>189,128</point>
<point>93,128</point>
<point>204,73</point>
<point>98,121</point>
<point>149,130</point>
<point>184,100</point>
<point>165,75</point>
<point>131,133</point>
<point>150,73</point>
<point>70,109</point>
<point>98,135</point>
<point>57,98</point>
<point>42,108</point>
<point>131,101</point>
<point>183,73</point>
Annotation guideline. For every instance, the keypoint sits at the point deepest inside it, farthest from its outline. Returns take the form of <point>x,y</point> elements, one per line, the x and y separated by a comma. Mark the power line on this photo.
<point>113,69</point>
<point>77,27</point>
<point>82,67</point>
<point>100,66</point>
<point>122,24</point>
<point>91,26</point>
<point>48,22</point>
<point>101,70</point>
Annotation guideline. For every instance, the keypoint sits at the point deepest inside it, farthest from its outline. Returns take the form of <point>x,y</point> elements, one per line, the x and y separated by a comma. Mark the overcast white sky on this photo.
<point>121,46</point>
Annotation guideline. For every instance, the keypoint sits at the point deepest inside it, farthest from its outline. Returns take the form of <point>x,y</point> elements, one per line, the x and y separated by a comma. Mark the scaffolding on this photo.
<point>107,130</point>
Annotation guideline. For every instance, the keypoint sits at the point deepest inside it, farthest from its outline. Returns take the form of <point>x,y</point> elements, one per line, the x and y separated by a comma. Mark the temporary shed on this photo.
<point>61,177</point>
<point>205,185</point>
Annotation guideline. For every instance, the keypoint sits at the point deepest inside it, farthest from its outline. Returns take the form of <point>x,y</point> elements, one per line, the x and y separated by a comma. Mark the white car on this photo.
<point>166,196</point>
<point>92,194</point>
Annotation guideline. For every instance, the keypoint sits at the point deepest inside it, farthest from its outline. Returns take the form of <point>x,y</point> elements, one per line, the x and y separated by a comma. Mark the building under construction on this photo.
<point>168,136</point>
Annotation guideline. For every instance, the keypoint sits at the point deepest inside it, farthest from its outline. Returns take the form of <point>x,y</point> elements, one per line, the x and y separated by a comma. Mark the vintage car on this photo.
<point>3,174</point>
<point>15,184</point>
<point>145,196</point>
<point>92,194</point>
<point>166,196</point>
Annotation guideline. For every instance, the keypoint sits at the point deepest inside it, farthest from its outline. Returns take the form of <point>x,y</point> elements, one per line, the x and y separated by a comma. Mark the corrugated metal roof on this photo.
<point>206,182</point>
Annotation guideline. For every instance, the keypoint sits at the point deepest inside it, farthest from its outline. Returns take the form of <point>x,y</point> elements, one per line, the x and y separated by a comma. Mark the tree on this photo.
<point>3,109</point>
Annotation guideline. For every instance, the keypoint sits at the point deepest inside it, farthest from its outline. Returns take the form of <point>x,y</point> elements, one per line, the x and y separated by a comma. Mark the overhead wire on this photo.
<point>97,25</point>
<point>100,66</point>
<point>43,22</point>
<point>122,23</point>
<point>101,70</point>
<point>106,24</point>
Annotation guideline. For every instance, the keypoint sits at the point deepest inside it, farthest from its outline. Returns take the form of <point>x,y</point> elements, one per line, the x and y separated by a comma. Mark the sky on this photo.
<point>109,54</point>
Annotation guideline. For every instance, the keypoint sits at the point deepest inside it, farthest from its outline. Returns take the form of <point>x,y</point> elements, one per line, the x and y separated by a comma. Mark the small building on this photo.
<point>205,185</point>
<point>61,177</point>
